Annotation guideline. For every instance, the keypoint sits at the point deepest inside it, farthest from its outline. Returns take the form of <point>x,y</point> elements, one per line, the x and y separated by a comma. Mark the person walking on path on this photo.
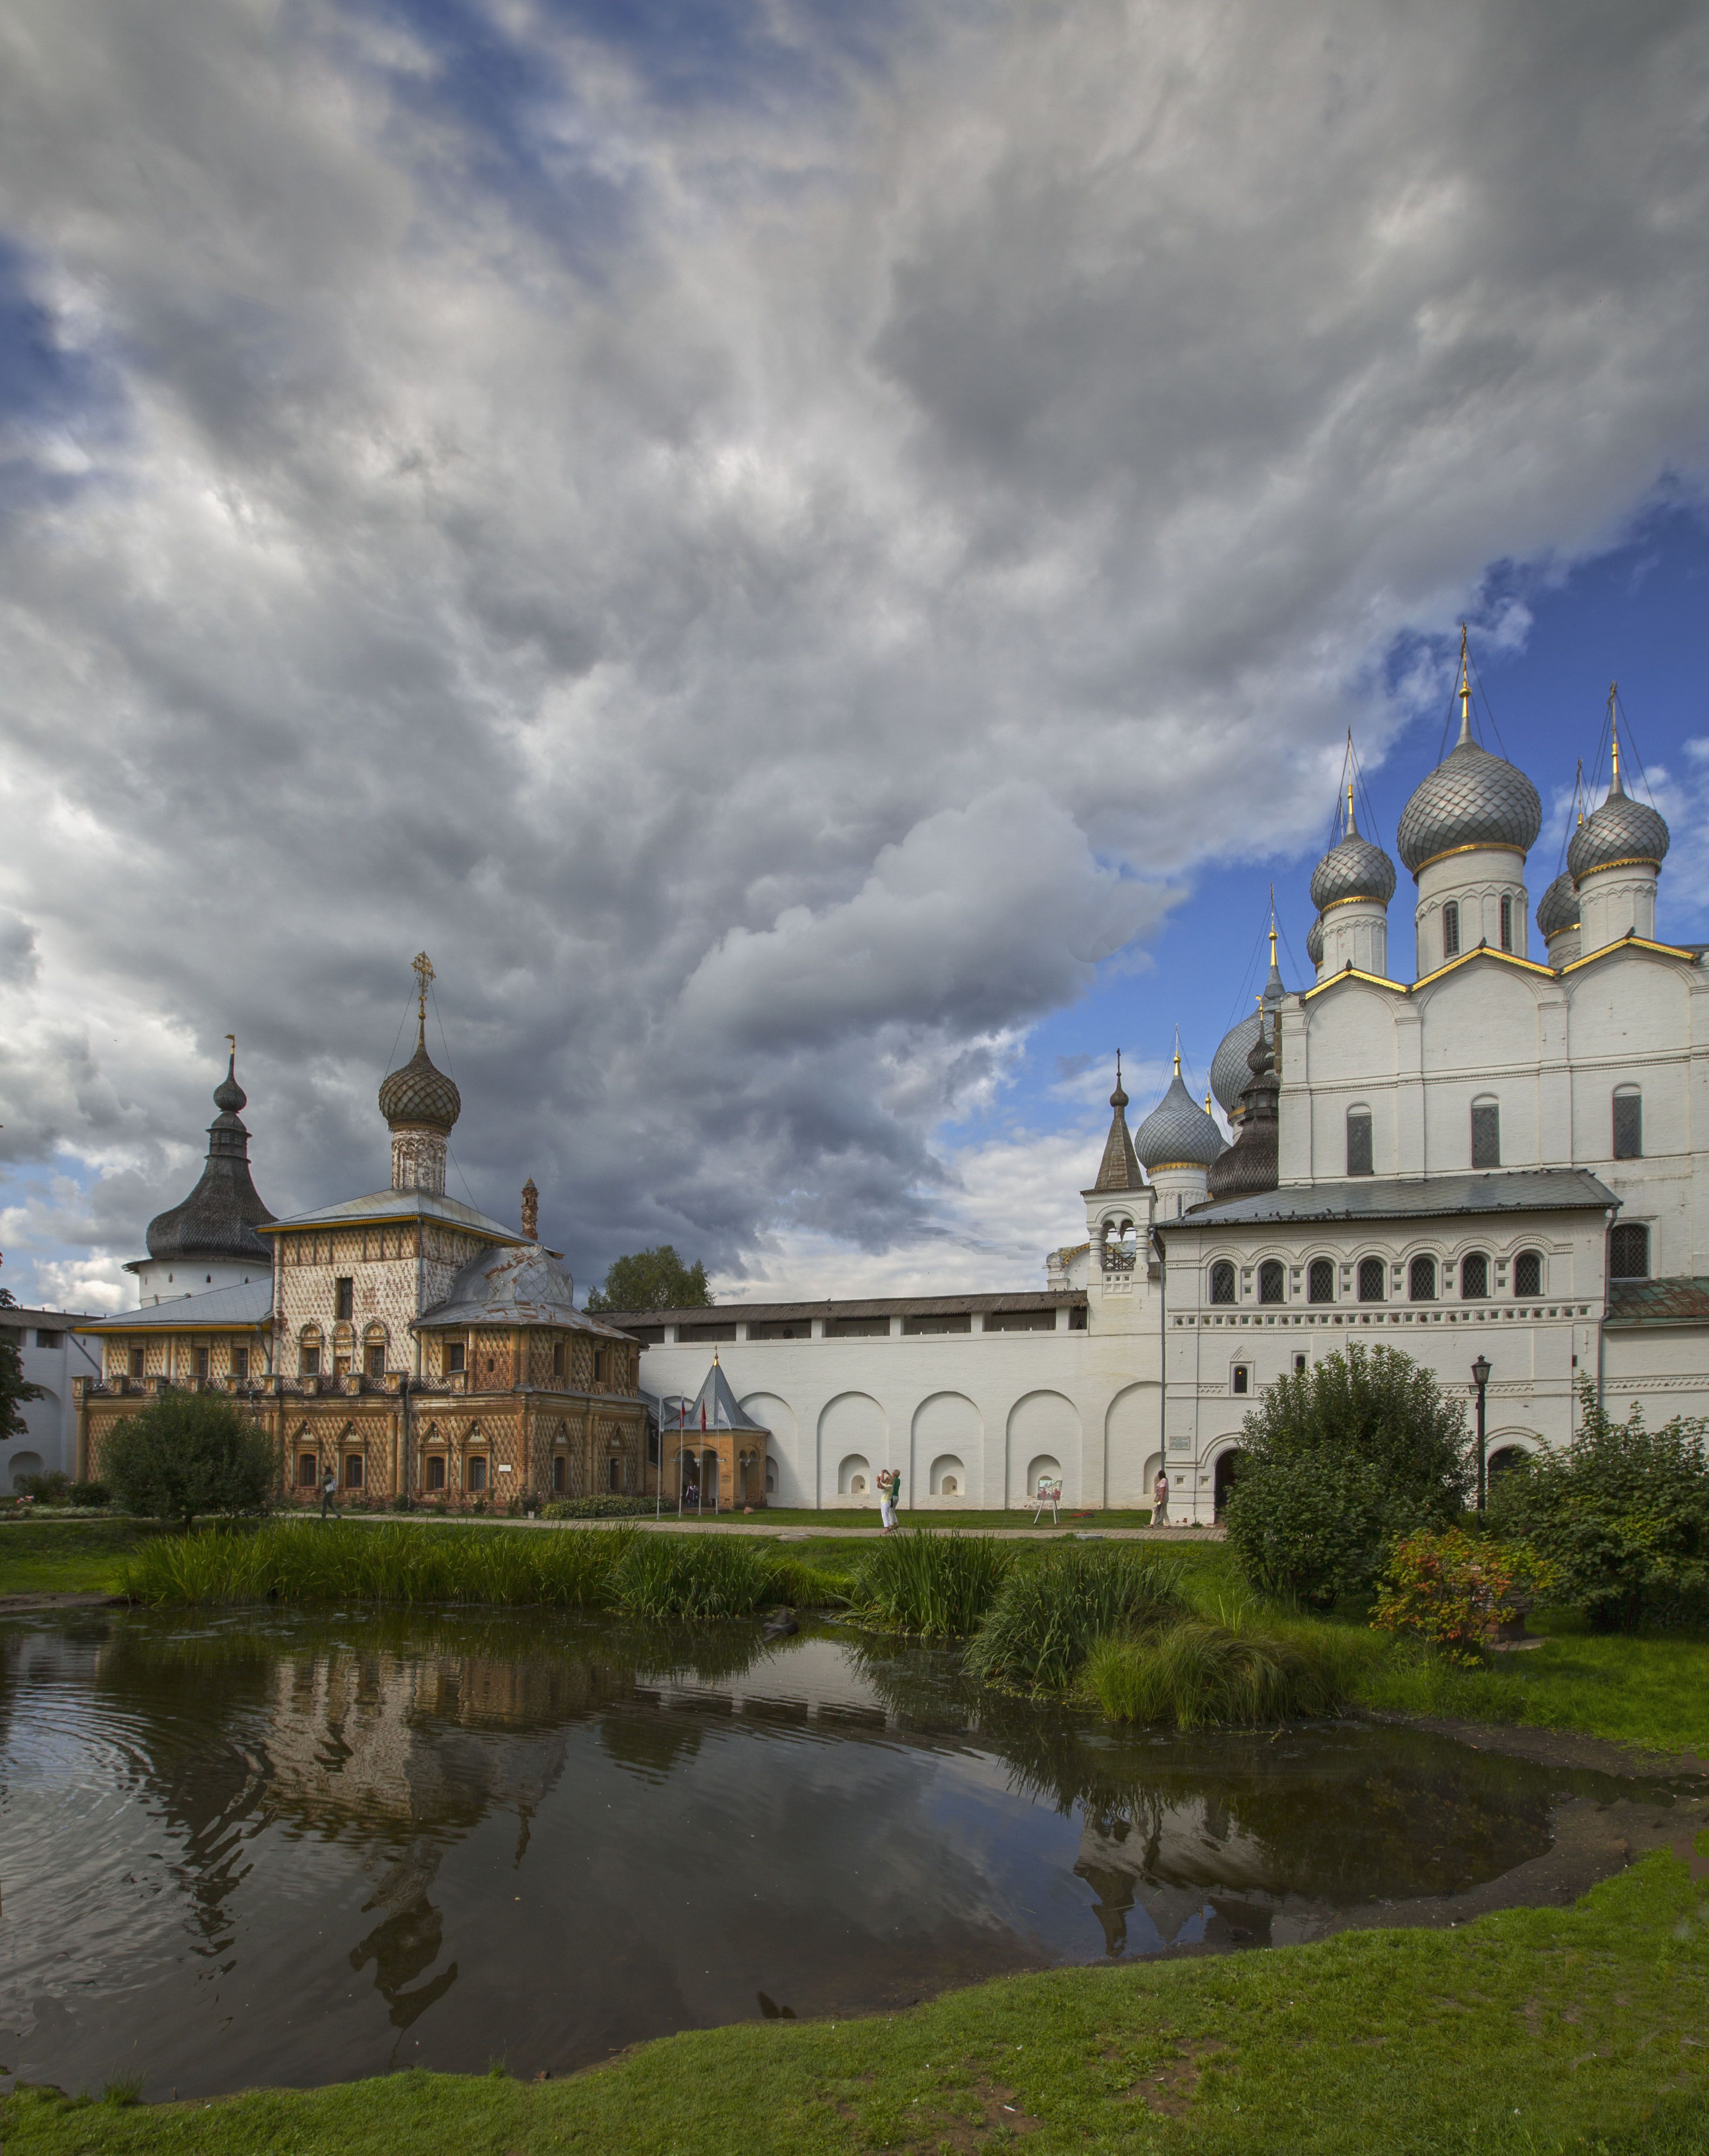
<point>328,1495</point>
<point>886,1480</point>
<point>1160,1496</point>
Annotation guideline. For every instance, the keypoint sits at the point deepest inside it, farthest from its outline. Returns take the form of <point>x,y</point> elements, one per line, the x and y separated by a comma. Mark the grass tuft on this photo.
<point>937,1586</point>
<point>1045,1617</point>
<point>1198,1673</point>
<point>694,1576</point>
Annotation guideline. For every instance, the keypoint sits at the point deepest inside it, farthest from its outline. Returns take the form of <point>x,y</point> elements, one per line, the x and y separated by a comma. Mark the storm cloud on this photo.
<point>773,544</point>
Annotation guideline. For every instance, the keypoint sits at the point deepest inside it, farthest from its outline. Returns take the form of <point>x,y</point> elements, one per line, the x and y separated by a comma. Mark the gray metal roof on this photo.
<point>250,1304</point>
<point>1229,1067</point>
<point>1314,942</point>
<point>400,1205</point>
<point>1622,830</point>
<point>521,1285</point>
<point>724,1411</point>
<point>418,1092</point>
<point>894,1305</point>
<point>1558,906</point>
<point>1411,1198</point>
<point>1178,1129</point>
<point>1472,799</point>
<point>1355,868</point>
<point>219,1218</point>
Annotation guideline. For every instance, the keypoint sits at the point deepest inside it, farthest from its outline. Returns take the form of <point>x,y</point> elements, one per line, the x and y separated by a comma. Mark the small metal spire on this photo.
<point>1614,719</point>
<point>1178,1052</point>
<point>423,969</point>
<point>1464,690</point>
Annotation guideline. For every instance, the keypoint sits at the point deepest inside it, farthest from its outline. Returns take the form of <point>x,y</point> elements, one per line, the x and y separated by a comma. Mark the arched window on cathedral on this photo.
<point>1527,1273</point>
<point>1321,1282</point>
<point>1628,1123</point>
<point>1271,1280</point>
<point>1358,1142</point>
<point>1421,1279</point>
<point>1474,1277</point>
<point>1371,1272</point>
<point>1450,931</point>
<point>1628,1251</point>
<point>1221,1281</point>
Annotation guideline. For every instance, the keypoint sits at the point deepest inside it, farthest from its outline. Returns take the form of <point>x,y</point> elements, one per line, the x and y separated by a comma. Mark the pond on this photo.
<point>296,1850</point>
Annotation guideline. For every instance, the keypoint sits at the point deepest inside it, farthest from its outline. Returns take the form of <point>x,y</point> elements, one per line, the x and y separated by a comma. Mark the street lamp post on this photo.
<point>1480,1378</point>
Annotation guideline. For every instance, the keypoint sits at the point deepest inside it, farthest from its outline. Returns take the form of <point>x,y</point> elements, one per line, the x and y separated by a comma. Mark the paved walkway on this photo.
<point>794,1531</point>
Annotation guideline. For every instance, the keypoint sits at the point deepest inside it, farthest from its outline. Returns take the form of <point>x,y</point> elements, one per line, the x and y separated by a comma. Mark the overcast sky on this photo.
<point>817,560</point>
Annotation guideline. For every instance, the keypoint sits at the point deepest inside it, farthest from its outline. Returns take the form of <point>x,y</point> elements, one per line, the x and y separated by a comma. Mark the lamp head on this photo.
<point>1481,1371</point>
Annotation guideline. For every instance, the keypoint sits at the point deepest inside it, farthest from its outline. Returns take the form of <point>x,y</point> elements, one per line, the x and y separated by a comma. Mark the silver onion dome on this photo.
<point>1621,830</point>
<point>1230,1069</point>
<point>1558,906</point>
<point>1178,1132</point>
<point>1314,942</point>
<point>1352,868</point>
<point>418,1092</point>
<point>1472,799</point>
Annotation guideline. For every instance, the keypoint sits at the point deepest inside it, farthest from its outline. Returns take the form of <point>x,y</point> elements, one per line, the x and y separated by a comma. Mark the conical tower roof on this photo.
<point>1119,1169</point>
<point>219,1220</point>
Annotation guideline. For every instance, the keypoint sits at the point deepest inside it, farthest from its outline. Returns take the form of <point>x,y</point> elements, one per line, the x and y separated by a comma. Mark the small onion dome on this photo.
<point>1559,908</point>
<point>1229,1067</point>
<point>1178,1132</point>
<point>1472,799</point>
<point>1621,830</point>
<point>1248,1168</point>
<point>1354,869</point>
<point>418,1093</point>
<point>1314,942</point>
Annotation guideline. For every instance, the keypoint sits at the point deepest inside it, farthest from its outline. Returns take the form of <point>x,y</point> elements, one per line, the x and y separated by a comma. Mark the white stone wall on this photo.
<point>164,1279</point>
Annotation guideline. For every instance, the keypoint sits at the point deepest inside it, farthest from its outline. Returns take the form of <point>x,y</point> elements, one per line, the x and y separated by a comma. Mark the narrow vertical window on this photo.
<point>1243,1377</point>
<point>1321,1283</point>
<point>560,1472</point>
<point>1269,1281</point>
<point>1221,1281</point>
<point>240,1365</point>
<point>1450,931</point>
<point>1474,1277</point>
<point>1507,924</point>
<point>1527,1273</point>
<point>344,1292</point>
<point>1371,1279</point>
<point>1358,1142</point>
<point>1628,1251</point>
<point>139,1362</point>
<point>1629,1124</point>
<point>1421,1279</point>
<point>557,1358</point>
<point>377,1361</point>
<point>1485,1134</point>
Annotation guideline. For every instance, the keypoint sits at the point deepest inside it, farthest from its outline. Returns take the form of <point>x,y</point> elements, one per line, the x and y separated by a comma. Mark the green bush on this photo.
<point>937,1585</point>
<point>1340,1460</point>
<point>696,1576</point>
<point>1197,1673</point>
<point>186,1453</point>
<point>53,1489</point>
<point>90,1493</point>
<point>605,1506</point>
<point>1623,1512</point>
<point>1047,1614</point>
<point>1452,1589</point>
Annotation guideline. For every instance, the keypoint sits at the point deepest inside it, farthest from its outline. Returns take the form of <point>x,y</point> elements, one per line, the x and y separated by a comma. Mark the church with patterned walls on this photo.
<point>1501,1162</point>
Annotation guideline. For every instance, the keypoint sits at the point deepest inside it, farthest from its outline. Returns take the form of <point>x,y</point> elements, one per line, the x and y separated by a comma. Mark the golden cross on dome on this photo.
<point>423,966</point>
<point>1614,719</point>
<point>1464,690</point>
<point>231,1042</point>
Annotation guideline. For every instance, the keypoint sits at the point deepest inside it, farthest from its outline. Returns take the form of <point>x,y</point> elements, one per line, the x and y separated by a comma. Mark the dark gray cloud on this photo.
<point>770,573</point>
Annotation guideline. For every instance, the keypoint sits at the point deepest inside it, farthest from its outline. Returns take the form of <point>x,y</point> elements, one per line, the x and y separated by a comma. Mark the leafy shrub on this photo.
<point>1452,1589</point>
<point>1197,1672</point>
<point>186,1453</point>
<point>937,1585</point>
<point>1047,1613</point>
<point>52,1489</point>
<point>602,1506</point>
<point>1341,1459</point>
<point>1623,1512</point>
<point>90,1493</point>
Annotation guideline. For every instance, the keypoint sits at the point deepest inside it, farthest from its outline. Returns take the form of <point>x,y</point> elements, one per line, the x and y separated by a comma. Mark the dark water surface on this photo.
<point>297,1849</point>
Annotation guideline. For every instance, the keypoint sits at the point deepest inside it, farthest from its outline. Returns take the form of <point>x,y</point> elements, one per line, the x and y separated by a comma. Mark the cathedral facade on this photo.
<point>1502,1160</point>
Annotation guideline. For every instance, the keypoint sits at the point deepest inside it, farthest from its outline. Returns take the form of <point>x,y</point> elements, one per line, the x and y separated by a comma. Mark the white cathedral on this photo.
<point>1503,1160</point>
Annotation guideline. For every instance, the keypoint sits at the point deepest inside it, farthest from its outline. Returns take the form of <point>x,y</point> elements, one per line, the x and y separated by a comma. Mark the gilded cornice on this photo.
<point>1481,846</point>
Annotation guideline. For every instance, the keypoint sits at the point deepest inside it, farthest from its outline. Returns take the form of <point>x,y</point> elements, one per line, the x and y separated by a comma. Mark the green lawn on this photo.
<point>66,1557</point>
<point>1534,2030</point>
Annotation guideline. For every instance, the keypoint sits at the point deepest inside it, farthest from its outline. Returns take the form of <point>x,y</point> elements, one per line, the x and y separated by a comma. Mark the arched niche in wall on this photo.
<point>785,1483</point>
<point>853,1425</point>
<point>1131,1424</point>
<point>1043,1425</point>
<point>947,1425</point>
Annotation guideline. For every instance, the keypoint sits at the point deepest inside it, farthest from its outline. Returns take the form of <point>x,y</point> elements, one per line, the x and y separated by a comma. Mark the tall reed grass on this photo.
<point>937,1586</point>
<point>1046,1615</point>
<point>696,1576</point>
<point>1197,1672</point>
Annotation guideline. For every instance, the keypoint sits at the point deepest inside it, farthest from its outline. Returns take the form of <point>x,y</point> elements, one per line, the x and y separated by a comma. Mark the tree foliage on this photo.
<point>1341,1459</point>
<point>191,1452</point>
<point>652,1280</point>
<point>14,1387</point>
<point>1624,1513</point>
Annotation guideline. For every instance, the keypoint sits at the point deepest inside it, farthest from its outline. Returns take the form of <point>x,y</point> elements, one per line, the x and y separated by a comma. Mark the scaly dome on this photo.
<point>1354,869</point>
<point>1621,830</point>
<point>1314,942</point>
<point>1229,1067</point>
<point>1472,799</point>
<point>1177,1131</point>
<point>219,1220</point>
<point>418,1093</point>
<point>1248,1168</point>
<point>1558,906</point>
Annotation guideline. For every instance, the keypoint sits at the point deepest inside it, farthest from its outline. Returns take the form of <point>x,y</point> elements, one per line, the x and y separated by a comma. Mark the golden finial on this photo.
<point>1578,791</point>
<point>423,968</point>
<point>1178,1059</point>
<point>1614,719</point>
<point>1207,1100</point>
<point>1465,689</point>
<point>231,1042</point>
